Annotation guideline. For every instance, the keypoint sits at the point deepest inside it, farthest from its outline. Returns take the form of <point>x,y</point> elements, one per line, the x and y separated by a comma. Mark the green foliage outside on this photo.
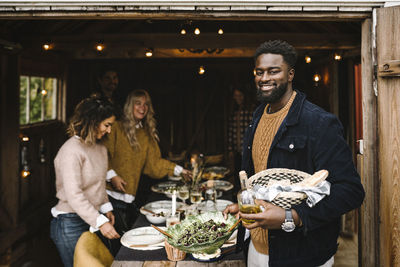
<point>42,104</point>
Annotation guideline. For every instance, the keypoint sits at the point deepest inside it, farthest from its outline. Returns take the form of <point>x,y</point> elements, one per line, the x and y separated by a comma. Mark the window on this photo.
<point>38,99</point>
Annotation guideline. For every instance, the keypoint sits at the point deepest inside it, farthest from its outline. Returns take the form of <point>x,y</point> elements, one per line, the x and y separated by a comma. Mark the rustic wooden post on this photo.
<point>369,227</point>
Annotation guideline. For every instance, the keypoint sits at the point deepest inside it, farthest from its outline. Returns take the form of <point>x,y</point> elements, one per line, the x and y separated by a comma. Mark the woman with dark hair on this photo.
<point>81,167</point>
<point>133,150</point>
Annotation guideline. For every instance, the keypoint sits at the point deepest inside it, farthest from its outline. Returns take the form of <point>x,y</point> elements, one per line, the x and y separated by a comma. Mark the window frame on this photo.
<point>58,105</point>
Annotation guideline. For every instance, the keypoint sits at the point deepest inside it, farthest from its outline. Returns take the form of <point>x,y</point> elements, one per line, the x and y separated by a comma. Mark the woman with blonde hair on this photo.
<point>81,167</point>
<point>133,150</point>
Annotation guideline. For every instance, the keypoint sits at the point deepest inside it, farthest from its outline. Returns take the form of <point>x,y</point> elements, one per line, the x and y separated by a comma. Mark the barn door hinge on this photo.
<point>389,68</point>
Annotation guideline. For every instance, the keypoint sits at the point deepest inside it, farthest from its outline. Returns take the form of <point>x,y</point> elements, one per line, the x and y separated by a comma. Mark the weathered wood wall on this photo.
<point>388,48</point>
<point>369,229</point>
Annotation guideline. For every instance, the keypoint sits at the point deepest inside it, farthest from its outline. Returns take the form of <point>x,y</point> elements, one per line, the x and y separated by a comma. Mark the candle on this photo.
<point>174,202</point>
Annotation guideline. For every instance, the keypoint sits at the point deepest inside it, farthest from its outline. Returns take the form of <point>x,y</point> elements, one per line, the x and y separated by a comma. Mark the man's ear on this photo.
<point>291,75</point>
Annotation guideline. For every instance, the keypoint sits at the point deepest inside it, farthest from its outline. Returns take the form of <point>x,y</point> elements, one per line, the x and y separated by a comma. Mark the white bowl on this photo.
<point>157,219</point>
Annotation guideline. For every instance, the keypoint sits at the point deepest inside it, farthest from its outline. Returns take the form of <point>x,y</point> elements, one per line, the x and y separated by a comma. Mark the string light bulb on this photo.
<point>99,47</point>
<point>183,31</point>
<point>43,92</point>
<point>201,70</point>
<point>317,77</point>
<point>47,46</point>
<point>149,53</point>
<point>337,57</point>
<point>25,173</point>
<point>197,31</point>
<point>307,59</point>
<point>220,31</point>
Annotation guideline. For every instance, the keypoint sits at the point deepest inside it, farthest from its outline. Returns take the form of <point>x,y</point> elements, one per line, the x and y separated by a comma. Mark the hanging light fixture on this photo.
<point>197,31</point>
<point>183,31</point>
<point>307,59</point>
<point>316,77</point>
<point>149,52</point>
<point>202,70</point>
<point>43,92</point>
<point>220,31</point>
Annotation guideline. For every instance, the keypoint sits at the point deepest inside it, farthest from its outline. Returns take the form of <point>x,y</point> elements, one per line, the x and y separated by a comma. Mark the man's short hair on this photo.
<point>278,47</point>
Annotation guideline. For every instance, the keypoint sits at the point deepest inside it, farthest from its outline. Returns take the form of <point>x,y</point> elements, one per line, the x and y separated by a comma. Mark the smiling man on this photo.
<point>288,131</point>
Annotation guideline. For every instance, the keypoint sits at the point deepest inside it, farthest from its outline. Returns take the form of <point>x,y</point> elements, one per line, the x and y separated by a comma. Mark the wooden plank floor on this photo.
<point>347,255</point>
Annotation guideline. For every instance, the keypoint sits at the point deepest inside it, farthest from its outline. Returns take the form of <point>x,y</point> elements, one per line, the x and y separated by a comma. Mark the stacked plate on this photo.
<point>143,238</point>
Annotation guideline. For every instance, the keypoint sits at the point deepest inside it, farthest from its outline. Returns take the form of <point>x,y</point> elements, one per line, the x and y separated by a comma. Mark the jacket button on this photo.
<point>291,146</point>
<point>248,147</point>
<point>251,125</point>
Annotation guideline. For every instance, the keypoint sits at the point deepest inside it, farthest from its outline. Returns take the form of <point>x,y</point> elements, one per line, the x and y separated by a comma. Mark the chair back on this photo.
<point>90,251</point>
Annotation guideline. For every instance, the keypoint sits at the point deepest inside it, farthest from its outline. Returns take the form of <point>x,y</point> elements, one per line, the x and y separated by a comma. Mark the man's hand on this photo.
<point>118,183</point>
<point>231,209</point>
<point>111,217</point>
<point>271,218</point>
<point>187,175</point>
<point>108,231</point>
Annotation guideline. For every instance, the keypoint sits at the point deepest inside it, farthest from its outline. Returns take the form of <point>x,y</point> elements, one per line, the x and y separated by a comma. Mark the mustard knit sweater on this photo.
<point>130,163</point>
<point>265,133</point>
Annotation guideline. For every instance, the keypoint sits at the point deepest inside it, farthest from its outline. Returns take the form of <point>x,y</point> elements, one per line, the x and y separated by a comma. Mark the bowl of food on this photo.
<point>156,212</point>
<point>203,233</point>
<point>157,216</point>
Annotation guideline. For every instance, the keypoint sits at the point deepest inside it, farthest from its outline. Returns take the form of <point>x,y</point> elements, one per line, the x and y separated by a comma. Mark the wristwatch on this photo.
<point>288,225</point>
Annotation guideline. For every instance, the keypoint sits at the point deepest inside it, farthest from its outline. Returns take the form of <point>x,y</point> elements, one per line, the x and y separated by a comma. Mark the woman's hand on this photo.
<point>111,217</point>
<point>108,231</point>
<point>187,175</point>
<point>118,183</point>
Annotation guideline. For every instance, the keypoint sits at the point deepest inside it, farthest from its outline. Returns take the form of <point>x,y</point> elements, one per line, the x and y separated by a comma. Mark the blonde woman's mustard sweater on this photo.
<point>130,163</point>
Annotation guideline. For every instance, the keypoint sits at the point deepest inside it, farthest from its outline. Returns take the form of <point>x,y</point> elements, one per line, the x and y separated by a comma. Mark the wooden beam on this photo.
<point>204,40</point>
<point>200,15</point>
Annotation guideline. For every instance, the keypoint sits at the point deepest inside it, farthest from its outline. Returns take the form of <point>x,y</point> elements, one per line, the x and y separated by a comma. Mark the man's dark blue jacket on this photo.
<point>309,139</point>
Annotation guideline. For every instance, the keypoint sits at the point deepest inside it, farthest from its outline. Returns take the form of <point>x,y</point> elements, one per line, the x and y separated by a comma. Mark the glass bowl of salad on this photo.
<point>203,233</point>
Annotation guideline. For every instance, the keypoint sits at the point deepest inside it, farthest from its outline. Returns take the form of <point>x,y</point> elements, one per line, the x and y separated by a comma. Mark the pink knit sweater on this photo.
<point>80,179</point>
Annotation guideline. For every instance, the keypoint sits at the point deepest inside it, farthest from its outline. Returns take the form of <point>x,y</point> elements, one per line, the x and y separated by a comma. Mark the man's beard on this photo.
<point>275,95</point>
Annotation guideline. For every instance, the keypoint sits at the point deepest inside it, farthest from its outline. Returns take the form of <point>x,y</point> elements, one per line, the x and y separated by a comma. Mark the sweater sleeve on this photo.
<point>69,171</point>
<point>109,142</point>
<point>155,166</point>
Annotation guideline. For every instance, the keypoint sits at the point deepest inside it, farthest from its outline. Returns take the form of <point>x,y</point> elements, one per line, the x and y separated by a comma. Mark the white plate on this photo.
<point>147,236</point>
<point>221,204</point>
<point>231,241</point>
<point>161,204</point>
<point>165,187</point>
<point>174,178</point>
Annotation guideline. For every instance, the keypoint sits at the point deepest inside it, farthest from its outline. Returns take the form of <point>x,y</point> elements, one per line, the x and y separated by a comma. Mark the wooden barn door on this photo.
<point>388,60</point>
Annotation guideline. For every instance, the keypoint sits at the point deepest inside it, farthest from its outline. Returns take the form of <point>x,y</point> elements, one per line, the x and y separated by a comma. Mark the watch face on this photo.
<point>288,226</point>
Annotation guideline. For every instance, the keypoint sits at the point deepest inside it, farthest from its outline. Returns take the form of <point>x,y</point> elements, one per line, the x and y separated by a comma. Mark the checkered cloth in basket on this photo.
<point>289,178</point>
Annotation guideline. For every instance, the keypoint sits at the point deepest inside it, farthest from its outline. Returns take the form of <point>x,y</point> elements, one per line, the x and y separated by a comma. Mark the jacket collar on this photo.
<point>294,111</point>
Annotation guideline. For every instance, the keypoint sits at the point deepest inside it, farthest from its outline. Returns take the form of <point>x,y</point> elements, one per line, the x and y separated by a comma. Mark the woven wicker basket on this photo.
<point>174,254</point>
<point>269,176</point>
